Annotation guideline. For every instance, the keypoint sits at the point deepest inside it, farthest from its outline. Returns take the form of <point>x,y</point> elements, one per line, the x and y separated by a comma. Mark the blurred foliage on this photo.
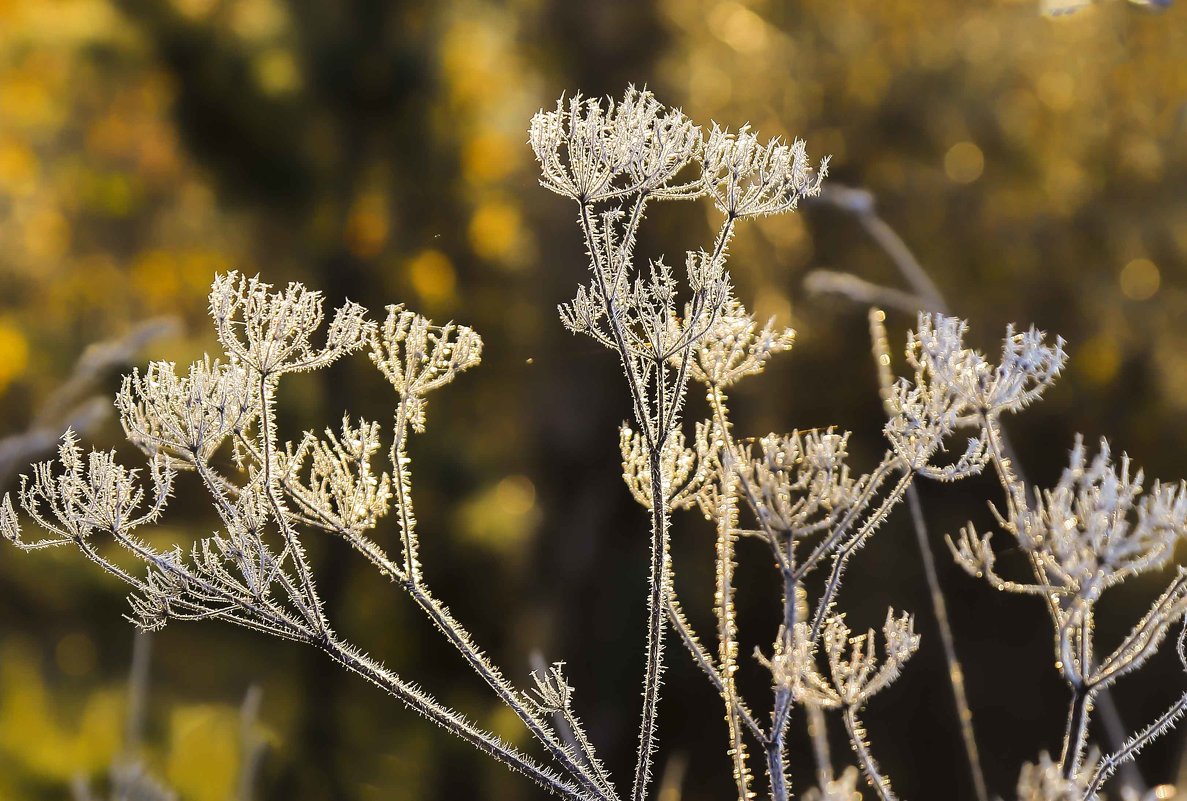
<point>52,736</point>
<point>375,150</point>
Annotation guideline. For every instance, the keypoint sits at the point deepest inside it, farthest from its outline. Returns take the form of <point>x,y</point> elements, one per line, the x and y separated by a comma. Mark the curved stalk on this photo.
<point>861,748</point>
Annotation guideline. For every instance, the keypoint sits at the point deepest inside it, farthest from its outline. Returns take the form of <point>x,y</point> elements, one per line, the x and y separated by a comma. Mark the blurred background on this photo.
<point>376,150</point>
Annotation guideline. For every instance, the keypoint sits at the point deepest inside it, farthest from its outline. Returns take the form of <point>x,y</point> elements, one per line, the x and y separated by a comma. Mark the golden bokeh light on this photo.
<point>433,278</point>
<point>964,162</point>
<point>494,230</point>
<point>1140,279</point>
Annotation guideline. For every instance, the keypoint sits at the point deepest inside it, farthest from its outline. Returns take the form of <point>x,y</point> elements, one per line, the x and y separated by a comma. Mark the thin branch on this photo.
<point>964,713</point>
<point>857,738</point>
<point>705,661</point>
<point>424,704</point>
<point>861,205</point>
<point>860,291</point>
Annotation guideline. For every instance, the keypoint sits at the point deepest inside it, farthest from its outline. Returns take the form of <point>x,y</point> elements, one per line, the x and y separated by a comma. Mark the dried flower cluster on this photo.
<point>800,493</point>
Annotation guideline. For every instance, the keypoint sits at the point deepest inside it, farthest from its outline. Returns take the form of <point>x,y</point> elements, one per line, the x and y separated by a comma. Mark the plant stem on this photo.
<point>1126,753</point>
<point>656,607</point>
<point>727,623</point>
<point>460,639</point>
<point>776,769</point>
<point>401,484</point>
<point>1079,711</point>
<point>857,734</point>
<point>705,662</point>
<point>818,732</point>
<point>964,713</point>
<point>421,702</point>
<point>309,603</point>
<point>841,559</point>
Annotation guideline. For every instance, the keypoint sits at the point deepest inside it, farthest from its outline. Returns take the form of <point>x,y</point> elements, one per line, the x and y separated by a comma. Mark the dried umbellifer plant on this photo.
<point>800,494</point>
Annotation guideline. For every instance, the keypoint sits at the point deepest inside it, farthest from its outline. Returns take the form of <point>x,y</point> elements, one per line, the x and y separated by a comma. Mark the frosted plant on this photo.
<point>1079,538</point>
<point>186,417</point>
<point>1105,766</point>
<point>614,160</point>
<point>800,496</point>
<point>814,509</point>
<point>254,571</point>
<point>1091,531</point>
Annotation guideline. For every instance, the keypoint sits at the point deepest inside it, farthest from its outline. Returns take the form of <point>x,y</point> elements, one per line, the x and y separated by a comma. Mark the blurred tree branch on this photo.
<point>79,403</point>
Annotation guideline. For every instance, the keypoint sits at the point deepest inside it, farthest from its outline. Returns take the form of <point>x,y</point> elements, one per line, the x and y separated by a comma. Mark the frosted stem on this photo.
<point>1076,734</point>
<point>656,605</point>
<point>841,559</point>
<point>421,702</point>
<point>1109,764</point>
<point>727,624</point>
<point>857,737</point>
<point>705,662</point>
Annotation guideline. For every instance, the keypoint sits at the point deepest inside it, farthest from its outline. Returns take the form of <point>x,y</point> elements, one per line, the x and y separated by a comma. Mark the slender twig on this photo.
<point>842,556</point>
<point>424,704</point>
<point>251,744</point>
<point>727,624</point>
<point>1109,763</point>
<point>857,736</point>
<point>818,734</point>
<point>705,662</point>
<point>964,713</point>
<point>482,666</point>
<point>1076,732</point>
<point>656,614</point>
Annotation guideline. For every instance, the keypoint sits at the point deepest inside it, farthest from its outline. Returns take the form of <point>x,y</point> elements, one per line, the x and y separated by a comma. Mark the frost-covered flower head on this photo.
<point>593,152</point>
<point>800,483</point>
<point>923,416</point>
<point>746,178</point>
<point>856,673</point>
<point>1029,365</point>
<point>1099,524</point>
<point>271,332</point>
<point>86,497</point>
<point>340,484</point>
<point>186,416</point>
<point>418,357</point>
<point>735,347</point>
<point>1093,529</point>
<point>682,472</point>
